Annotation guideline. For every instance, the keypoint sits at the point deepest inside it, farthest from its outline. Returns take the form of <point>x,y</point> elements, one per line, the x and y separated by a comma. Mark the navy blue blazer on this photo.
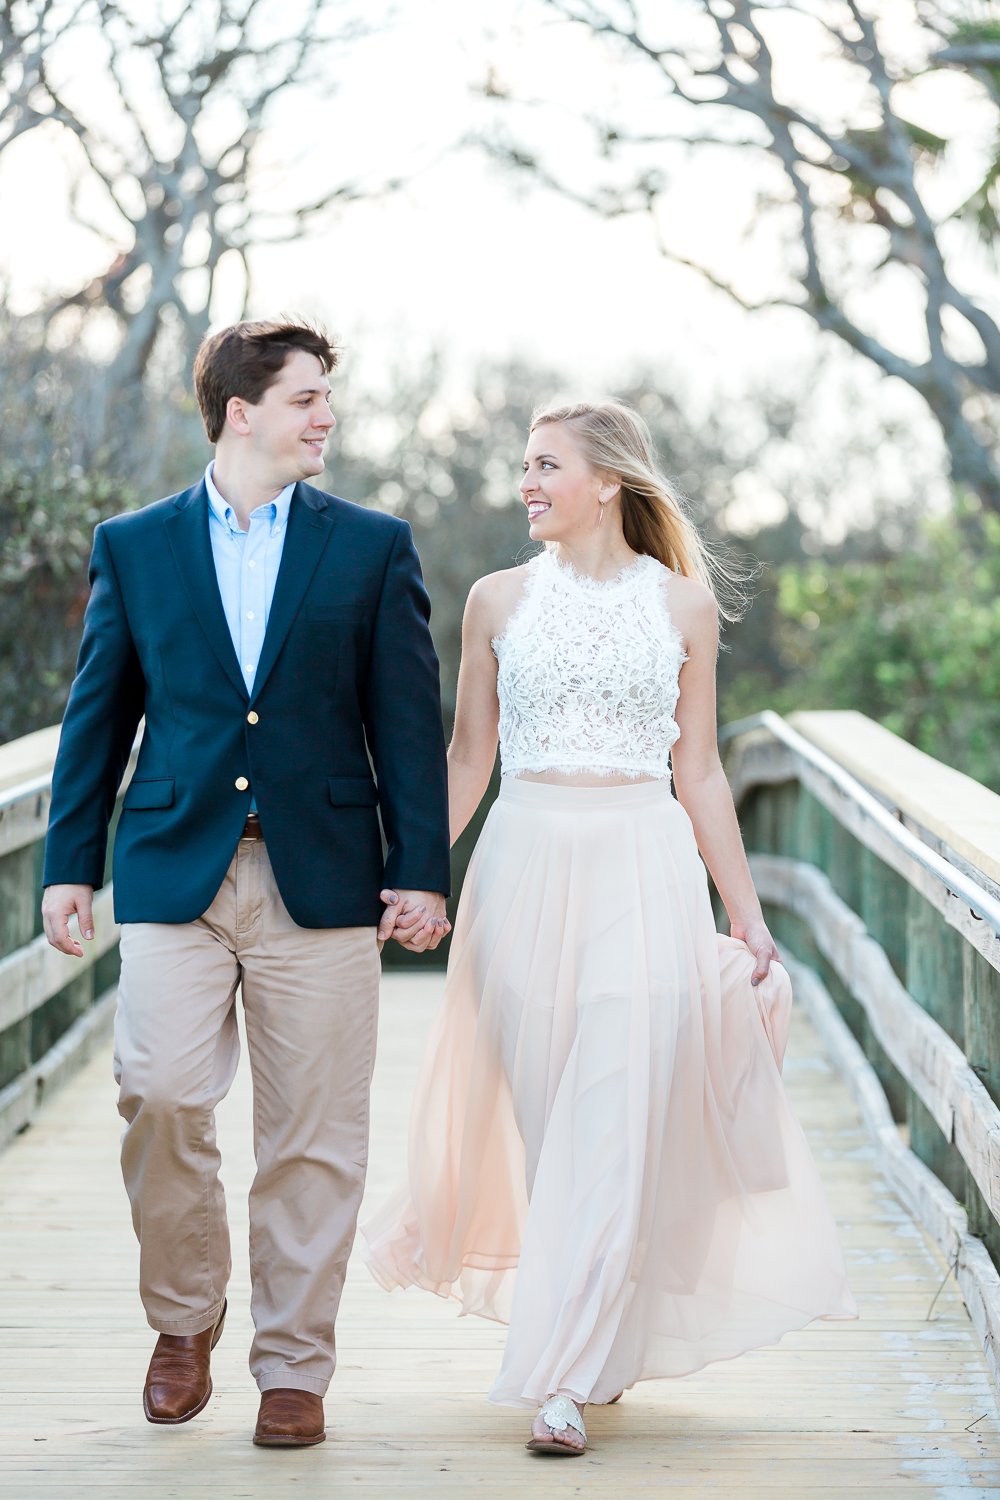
<point>347,680</point>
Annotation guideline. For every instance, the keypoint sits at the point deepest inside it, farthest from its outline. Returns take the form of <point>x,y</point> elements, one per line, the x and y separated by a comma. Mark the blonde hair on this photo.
<point>615,438</point>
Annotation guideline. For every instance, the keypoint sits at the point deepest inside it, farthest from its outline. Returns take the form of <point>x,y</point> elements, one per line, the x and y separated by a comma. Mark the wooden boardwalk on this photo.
<point>894,1403</point>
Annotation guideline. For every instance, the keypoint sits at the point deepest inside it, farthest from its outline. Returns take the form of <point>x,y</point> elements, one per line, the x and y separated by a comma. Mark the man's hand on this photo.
<point>59,903</point>
<point>416,919</point>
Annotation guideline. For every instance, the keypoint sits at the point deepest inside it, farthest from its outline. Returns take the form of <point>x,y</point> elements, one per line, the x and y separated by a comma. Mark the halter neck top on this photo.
<point>588,673</point>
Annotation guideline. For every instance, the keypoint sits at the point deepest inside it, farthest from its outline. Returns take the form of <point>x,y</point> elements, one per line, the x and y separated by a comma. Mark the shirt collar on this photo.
<point>223,511</point>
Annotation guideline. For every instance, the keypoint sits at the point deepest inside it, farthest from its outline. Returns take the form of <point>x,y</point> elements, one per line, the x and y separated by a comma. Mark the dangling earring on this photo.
<point>601,516</point>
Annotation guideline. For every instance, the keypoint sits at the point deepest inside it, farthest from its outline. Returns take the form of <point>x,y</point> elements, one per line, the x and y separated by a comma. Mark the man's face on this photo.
<point>289,426</point>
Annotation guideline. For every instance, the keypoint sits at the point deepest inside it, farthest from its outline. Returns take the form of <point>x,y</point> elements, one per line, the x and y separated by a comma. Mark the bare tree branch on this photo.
<point>167,158</point>
<point>878,173</point>
<point>969,55</point>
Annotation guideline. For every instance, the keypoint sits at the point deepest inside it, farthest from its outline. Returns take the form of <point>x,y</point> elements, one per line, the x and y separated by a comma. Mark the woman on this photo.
<point>602,1154</point>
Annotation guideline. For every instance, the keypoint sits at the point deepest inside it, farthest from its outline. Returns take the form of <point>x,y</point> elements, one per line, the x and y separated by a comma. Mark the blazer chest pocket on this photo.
<point>149,793</point>
<point>352,791</point>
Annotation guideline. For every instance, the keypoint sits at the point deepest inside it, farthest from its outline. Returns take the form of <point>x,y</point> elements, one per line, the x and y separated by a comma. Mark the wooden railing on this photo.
<point>880,873</point>
<point>53,1009</point>
<point>879,870</point>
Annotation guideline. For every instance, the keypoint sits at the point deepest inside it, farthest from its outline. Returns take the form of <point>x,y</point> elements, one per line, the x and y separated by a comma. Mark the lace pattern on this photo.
<point>588,673</point>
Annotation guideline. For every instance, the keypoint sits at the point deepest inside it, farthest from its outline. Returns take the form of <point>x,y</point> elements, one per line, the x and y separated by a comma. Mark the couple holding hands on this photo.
<point>602,1154</point>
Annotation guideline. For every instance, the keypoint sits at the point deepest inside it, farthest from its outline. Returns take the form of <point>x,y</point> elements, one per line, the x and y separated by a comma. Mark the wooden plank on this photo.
<point>21,1100</point>
<point>26,787</point>
<point>757,758</point>
<point>24,817</point>
<point>27,758</point>
<point>915,1185</point>
<point>36,972</point>
<point>934,979</point>
<point>932,1064</point>
<point>960,813</point>
<point>892,1403</point>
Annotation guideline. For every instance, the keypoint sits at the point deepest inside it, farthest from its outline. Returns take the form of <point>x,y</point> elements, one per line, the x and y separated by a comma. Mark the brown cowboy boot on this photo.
<point>289,1419</point>
<point>179,1380</point>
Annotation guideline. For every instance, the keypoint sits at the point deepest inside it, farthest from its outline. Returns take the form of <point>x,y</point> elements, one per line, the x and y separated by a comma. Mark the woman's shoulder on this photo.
<point>692,607</point>
<point>504,586</point>
<point>689,593</point>
<point>495,598</point>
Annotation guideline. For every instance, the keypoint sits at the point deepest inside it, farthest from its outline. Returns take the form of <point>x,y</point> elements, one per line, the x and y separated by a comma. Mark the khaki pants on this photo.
<point>310,1000</point>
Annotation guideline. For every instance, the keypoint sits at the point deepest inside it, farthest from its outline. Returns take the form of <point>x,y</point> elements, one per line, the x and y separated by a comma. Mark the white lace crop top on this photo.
<point>588,673</point>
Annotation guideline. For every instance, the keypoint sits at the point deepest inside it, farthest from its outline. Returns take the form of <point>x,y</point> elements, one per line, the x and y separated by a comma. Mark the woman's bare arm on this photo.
<point>700,781</point>
<point>473,748</point>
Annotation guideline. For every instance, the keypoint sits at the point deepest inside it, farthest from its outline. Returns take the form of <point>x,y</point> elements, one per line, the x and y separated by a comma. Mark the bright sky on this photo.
<point>467,255</point>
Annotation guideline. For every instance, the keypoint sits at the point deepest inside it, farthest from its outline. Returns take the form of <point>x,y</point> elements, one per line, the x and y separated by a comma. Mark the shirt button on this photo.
<point>241,783</point>
<point>251,615</point>
<point>252,718</point>
<point>248,666</point>
<point>251,563</point>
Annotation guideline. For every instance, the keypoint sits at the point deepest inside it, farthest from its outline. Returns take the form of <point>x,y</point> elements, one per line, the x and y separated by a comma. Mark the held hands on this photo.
<point>760,942</point>
<point>415,919</point>
<point>59,903</point>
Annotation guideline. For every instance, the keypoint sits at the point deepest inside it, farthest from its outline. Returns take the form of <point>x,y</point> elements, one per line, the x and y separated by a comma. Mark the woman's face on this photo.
<point>560,489</point>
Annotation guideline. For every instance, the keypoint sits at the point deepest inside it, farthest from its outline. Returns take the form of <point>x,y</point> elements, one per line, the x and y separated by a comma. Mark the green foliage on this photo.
<point>46,528</point>
<point>56,484</point>
<point>47,522</point>
<point>897,620</point>
<point>912,640</point>
<point>980,211</point>
<point>925,141</point>
<point>452,472</point>
<point>970,29</point>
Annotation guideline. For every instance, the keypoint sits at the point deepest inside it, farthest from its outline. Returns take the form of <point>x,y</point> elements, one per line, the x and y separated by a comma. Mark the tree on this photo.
<point>166,126</point>
<point>910,639</point>
<point>50,502</point>
<point>859,190</point>
<point>451,468</point>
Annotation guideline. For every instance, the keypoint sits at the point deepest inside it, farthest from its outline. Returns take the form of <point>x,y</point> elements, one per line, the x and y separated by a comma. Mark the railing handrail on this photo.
<point>23,791</point>
<point>955,881</point>
<point>907,1012</point>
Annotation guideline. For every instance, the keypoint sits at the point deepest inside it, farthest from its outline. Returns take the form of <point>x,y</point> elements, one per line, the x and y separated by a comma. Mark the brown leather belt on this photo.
<point>251,828</point>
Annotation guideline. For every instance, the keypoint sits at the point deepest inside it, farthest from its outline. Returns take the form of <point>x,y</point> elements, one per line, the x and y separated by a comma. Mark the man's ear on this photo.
<point>237,416</point>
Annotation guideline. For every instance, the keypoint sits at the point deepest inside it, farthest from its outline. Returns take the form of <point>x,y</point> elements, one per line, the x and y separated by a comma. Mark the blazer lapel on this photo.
<point>310,522</point>
<point>187,531</point>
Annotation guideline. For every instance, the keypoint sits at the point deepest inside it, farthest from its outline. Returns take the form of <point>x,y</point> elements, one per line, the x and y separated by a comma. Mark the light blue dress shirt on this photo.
<point>246,566</point>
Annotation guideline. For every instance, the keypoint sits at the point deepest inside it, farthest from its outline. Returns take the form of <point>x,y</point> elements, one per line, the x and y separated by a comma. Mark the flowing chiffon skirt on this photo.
<point>602,1153</point>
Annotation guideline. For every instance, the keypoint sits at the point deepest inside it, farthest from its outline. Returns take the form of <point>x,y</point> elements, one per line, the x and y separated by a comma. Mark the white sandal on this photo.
<point>558,1413</point>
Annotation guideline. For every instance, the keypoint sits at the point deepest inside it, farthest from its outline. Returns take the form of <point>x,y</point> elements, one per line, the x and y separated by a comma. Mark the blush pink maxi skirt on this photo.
<point>602,1154</point>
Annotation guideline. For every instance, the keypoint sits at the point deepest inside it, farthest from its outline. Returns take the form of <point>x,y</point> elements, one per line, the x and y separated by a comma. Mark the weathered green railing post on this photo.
<point>883,888</point>
<point>934,979</point>
<point>883,910</point>
<point>53,1009</point>
<point>17,928</point>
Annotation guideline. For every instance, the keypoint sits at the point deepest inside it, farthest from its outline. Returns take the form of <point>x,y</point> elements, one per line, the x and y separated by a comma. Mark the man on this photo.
<point>276,641</point>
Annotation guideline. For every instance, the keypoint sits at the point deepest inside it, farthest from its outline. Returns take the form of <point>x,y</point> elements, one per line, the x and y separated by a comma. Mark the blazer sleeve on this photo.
<point>404,727</point>
<point>98,729</point>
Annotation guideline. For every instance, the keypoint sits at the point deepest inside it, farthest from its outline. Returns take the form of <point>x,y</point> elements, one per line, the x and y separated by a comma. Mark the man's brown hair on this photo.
<point>247,358</point>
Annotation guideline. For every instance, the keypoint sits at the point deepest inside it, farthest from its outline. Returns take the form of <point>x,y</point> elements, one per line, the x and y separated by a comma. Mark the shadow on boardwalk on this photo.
<point>891,1404</point>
